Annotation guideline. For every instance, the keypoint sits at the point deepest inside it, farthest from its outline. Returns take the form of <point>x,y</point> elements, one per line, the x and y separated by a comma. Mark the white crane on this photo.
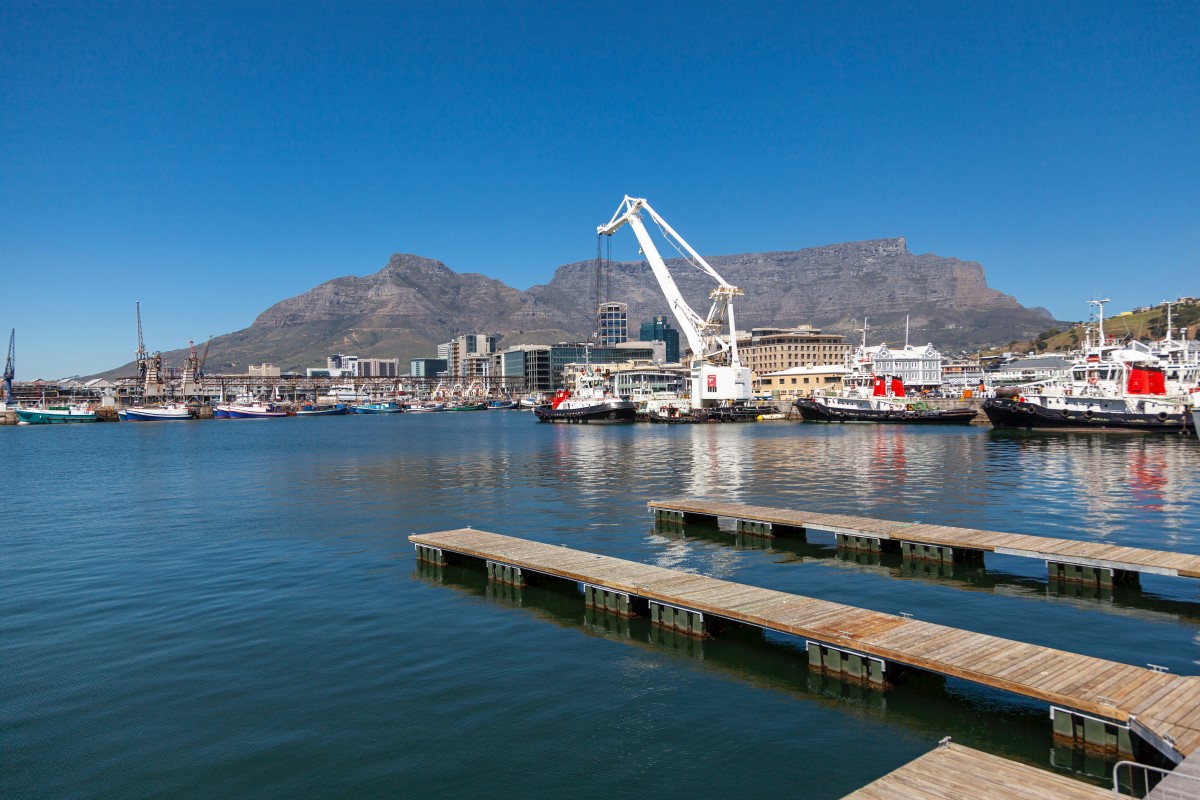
<point>718,376</point>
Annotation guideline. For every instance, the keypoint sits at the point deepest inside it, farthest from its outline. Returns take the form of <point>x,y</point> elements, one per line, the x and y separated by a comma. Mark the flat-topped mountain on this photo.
<point>405,309</point>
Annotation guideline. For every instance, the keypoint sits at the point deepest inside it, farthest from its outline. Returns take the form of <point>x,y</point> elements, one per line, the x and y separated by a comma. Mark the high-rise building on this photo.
<point>426,367</point>
<point>659,330</point>
<point>612,324</point>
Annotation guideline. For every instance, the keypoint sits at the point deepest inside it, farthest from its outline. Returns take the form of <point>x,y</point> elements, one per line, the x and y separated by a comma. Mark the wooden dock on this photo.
<point>1093,701</point>
<point>1067,559</point>
<point>953,772</point>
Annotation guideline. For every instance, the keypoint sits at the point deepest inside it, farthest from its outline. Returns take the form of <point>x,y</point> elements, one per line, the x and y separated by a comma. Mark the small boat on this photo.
<point>46,415</point>
<point>256,410</point>
<point>426,407</point>
<point>532,401</point>
<point>590,402</point>
<point>322,410</point>
<point>502,405</point>
<point>468,407</point>
<point>865,397</point>
<point>159,413</point>
<point>379,407</point>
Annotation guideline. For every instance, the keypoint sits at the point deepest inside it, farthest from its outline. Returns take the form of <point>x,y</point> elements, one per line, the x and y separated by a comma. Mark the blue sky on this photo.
<point>209,159</point>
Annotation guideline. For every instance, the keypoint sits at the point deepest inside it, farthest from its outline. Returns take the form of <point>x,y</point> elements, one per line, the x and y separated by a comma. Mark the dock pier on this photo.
<point>1067,560</point>
<point>1094,703</point>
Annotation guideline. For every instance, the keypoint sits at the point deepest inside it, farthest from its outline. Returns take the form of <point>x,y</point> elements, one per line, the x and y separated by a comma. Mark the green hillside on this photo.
<point>1140,325</point>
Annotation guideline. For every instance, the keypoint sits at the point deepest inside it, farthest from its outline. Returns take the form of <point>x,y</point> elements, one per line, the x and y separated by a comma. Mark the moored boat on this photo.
<point>377,407</point>
<point>426,408</point>
<point>322,410</point>
<point>590,402</point>
<point>47,415</point>
<point>502,405</point>
<point>468,407</point>
<point>1110,388</point>
<point>256,410</point>
<point>876,398</point>
<point>159,413</point>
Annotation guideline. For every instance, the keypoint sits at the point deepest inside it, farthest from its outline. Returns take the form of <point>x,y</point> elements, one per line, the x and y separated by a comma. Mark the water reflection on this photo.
<point>923,703</point>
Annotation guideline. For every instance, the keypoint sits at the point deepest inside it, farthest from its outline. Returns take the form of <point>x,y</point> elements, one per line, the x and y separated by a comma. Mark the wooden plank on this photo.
<point>1117,556</point>
<point>952,772</point>
<point>1169,705</point>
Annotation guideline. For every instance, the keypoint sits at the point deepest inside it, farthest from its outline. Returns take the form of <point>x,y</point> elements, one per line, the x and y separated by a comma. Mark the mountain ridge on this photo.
<point>413,303</point>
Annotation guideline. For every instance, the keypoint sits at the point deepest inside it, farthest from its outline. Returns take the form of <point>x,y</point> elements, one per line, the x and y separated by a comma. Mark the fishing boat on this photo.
<point>377,407</point>
<point>468,407</point>
<point>322,410</point>
<point>426,408</point>
<point>46,415</point>
<point>532,401</point>
<point>865,397</point>
<point>253,410</point>
<point>502,405</point>
<point>588,402</point>
<point>157,413</point>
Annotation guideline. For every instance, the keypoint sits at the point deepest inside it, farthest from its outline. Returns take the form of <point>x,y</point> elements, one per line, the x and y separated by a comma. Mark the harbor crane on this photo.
<point>141,360</point>
<point>9,367</point>
<point>717,374</point>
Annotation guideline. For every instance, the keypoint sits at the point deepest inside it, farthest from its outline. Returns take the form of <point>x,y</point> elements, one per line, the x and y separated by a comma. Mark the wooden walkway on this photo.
<point>954,772</point>
<point>1089,554</point>
<point>1161,708</point>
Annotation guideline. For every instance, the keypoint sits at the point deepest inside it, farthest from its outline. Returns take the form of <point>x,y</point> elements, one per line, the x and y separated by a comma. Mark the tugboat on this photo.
<point>877,398</point>
<point>1114,389</point>
<point>1111,387</point>
<point>589,402</point>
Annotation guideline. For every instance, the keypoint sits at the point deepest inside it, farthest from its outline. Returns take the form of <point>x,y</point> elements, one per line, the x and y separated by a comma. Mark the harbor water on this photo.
<point>233,609</point>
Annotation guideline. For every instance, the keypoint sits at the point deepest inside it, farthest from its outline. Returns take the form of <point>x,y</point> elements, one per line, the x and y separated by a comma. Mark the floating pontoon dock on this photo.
<point>1094,702</point>
<point>1066,559</point>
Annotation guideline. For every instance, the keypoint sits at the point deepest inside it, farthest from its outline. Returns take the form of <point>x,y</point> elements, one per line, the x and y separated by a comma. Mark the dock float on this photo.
<point>1067,560</point>
<point>952,772</point>
<point>1094,703</point>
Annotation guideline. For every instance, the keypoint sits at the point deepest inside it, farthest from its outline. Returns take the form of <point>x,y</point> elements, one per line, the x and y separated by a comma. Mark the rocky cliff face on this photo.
<point>405,309</point>
<point>948,301</point>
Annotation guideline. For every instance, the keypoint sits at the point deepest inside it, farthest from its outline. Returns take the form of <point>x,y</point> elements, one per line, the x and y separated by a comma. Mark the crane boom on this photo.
<point>10,366</point>
<point>717,372</point>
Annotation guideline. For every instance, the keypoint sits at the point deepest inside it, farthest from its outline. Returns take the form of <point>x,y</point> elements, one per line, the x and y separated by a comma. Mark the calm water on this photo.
<point>232,608</point>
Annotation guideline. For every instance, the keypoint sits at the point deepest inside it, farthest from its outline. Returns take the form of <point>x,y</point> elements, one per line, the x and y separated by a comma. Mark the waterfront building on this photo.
<point>543,367</point>
<point>427,367</point>
<point>659,330</point>
<point>263,371</point>
<point>773,350</point>
<point>340,365</point>
<point>634,378</point>
<point>378,367</point>
<point>785,386</point>
<point>1035,368</point>
<point>612,324</point>
<point>918,367</point>
<point>962,373</point>
<point>469,357</point>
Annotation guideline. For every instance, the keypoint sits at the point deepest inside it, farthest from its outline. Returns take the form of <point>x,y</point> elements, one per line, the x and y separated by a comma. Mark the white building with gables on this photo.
<point>918,367</point>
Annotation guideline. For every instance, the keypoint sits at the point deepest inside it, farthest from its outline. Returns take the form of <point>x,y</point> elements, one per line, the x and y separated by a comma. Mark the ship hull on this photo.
<point>1012,414</point>
<point>813,411</point>
<point>609,412</point>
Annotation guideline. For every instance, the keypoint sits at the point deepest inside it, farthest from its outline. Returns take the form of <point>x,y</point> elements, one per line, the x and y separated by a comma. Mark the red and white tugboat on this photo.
<point>589,402</point>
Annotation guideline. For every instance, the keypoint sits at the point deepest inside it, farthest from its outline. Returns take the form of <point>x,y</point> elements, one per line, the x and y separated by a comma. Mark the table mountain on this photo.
<point>405,309</point>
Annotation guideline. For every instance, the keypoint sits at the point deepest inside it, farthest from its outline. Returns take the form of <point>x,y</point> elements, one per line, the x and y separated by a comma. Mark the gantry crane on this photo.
<point>717,374</point>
